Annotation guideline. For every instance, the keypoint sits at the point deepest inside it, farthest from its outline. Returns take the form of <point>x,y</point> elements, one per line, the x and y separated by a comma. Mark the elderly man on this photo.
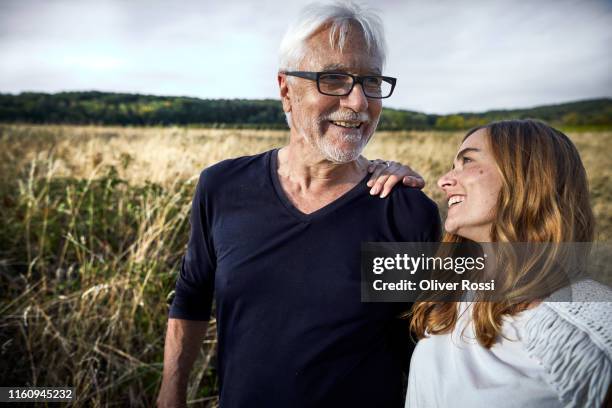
<point>276,237</point>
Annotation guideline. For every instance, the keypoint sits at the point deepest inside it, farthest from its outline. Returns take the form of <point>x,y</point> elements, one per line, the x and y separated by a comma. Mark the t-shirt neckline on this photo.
<point>359,188</point>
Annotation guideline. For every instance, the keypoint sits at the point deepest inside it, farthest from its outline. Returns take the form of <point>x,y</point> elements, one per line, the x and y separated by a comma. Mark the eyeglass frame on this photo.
<point>357,79</point>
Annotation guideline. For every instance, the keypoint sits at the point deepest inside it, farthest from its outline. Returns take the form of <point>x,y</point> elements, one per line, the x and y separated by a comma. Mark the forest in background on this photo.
<point>103,108</point>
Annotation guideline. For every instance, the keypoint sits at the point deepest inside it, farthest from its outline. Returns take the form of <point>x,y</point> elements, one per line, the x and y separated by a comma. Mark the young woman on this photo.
<point>515,181</point>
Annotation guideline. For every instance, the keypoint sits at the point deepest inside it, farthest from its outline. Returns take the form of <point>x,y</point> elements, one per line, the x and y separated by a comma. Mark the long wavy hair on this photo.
<point>544,198</point>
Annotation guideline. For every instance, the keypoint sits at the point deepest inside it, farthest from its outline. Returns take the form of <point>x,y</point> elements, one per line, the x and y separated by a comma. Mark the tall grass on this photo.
<point>85,266</point>
<point>93,223</point>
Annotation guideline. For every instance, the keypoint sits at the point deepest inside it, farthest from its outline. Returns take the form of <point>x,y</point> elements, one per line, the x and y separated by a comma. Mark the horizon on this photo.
<point>481,56</point>
<point>277,99</point>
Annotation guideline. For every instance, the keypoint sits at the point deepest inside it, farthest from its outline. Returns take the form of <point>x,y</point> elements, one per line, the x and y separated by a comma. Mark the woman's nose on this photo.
<point>447,180</point>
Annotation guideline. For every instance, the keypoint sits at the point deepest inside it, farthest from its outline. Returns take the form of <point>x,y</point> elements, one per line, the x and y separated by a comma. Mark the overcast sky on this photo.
<point>449,56</point>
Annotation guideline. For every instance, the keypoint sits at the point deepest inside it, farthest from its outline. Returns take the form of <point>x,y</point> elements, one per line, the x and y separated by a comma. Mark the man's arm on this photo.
<point>183,341</point>
<point>192,304</point>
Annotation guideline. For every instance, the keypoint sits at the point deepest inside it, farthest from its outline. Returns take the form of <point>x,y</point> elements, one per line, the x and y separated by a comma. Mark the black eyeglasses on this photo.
<point>341,84</point>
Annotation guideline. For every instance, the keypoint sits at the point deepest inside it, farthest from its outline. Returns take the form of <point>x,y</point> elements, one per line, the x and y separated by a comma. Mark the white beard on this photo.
<point>342,155</point>
<point>332,151</point>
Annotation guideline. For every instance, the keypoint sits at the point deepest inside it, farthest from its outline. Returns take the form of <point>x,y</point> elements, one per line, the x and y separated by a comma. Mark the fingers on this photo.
<point>386,175</point>
<point>379,168</point>
<point>384,178</point>
<point>374,164</point>
<point>376,168</point>
<point>391,181</point>
<point>411,178</point>
<point>414,181</point>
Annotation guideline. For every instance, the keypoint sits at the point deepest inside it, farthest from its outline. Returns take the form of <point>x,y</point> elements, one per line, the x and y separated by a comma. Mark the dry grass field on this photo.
<point>93,223</point>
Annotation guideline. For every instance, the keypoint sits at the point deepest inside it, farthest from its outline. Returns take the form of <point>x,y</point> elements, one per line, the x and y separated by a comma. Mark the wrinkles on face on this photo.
<point>315,116</point>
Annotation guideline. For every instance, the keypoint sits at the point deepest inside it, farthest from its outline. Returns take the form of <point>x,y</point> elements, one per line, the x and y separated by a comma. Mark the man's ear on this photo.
<point>284,92</point>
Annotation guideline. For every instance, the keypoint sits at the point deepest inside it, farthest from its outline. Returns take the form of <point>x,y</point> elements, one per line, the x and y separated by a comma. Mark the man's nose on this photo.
<point>447,180</point>
<point>356,100</point>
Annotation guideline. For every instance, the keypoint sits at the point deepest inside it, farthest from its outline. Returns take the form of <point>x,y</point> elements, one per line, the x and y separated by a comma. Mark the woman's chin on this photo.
<point>450,227</point>
<point>457,230</point>
<point>476,234</point>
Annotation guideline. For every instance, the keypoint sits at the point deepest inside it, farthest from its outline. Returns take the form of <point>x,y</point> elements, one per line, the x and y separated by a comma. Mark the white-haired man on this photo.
<point>277,236</point>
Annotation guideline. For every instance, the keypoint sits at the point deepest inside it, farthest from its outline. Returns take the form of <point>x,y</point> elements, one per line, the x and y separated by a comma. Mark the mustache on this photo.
<point>347,117</point>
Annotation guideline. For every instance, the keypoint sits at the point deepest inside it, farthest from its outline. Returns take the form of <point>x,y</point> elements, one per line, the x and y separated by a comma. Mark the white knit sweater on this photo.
<point>573,342</point>
<point>556,354</point>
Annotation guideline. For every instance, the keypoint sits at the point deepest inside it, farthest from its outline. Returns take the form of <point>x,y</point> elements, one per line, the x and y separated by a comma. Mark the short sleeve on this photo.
<point>196,281</point>
<point>433,231</point>
<point>415,216</point>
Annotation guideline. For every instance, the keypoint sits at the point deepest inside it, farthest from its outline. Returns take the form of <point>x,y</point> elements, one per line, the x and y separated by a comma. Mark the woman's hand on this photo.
<point>386,174</point>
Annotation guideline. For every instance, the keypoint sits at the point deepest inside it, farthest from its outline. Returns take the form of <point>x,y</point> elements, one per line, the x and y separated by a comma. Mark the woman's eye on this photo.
<point>466,160</point>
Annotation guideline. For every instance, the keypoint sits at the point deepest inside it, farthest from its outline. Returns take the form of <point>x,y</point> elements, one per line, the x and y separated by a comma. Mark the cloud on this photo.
<point>449,56</point>
<point>501,54</point>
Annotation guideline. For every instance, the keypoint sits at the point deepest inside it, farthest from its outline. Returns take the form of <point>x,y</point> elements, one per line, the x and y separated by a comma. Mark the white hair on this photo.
<point>339,16</point>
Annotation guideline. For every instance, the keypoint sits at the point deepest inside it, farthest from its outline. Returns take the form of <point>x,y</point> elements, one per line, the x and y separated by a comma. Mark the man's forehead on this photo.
<point>349,68</point>
<point>323,54</point>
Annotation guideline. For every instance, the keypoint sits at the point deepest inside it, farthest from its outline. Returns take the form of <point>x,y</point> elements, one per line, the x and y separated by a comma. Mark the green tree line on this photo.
<point>103,108</point>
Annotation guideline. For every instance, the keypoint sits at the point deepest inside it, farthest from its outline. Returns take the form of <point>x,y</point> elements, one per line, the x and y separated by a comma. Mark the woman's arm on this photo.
<point>386,174</point>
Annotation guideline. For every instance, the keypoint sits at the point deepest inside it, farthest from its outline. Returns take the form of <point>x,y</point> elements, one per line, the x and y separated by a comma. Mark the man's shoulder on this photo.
<point>414,200</point>
<point>415,215</point>
<point>236,170</point>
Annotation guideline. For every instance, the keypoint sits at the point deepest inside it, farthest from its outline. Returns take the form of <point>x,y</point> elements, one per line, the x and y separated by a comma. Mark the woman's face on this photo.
<point>472,188</point>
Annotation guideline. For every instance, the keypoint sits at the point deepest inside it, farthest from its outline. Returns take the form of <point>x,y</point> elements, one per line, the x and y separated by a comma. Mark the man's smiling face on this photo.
<point>339,127</point>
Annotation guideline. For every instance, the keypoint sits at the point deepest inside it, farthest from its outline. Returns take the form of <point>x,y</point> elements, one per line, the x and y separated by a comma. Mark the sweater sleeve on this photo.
<point>573,342</point>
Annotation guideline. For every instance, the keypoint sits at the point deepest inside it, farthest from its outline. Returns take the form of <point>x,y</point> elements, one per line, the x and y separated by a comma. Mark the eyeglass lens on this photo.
<point>340,84</point>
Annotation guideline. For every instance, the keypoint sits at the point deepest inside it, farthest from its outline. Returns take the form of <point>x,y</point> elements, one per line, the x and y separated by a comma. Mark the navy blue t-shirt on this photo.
<point>292,330</point>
